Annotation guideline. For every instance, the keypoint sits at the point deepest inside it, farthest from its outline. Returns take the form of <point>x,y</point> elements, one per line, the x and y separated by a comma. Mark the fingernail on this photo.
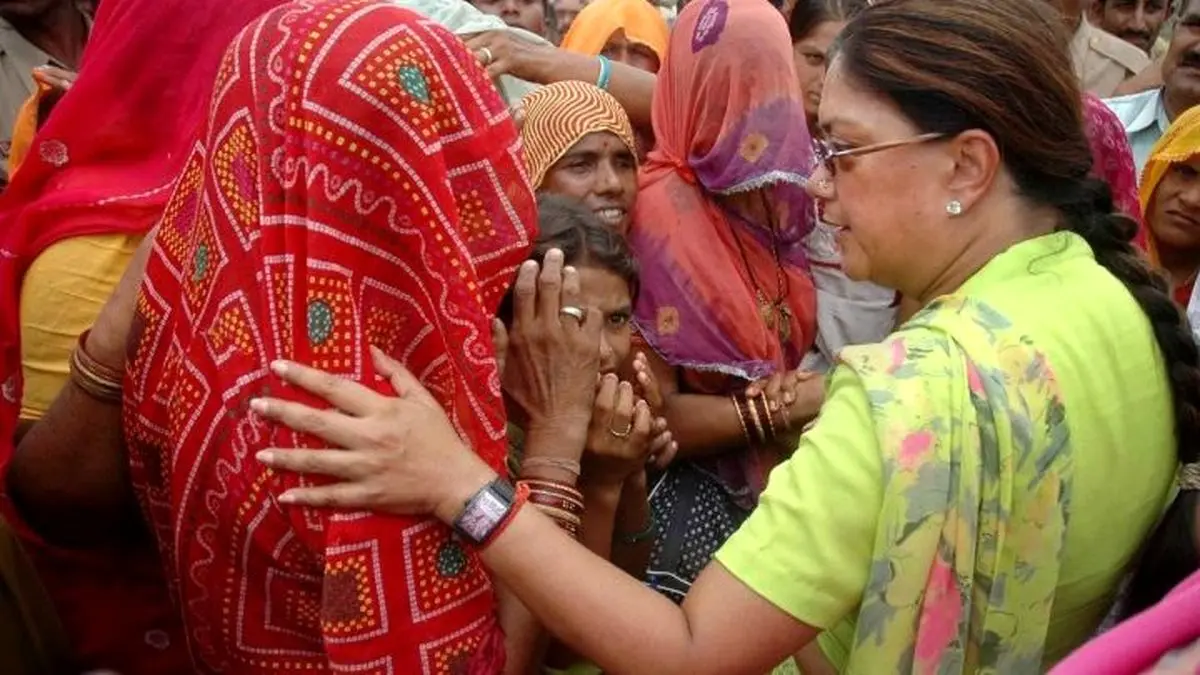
<point>259,406</point>
<point>265,456</point>
<point>554,253</point>
<point>568,270</point>
<point>789,399</point>
<point>529,266</point>
<point>280,368</point>
<point>774,405</point>
<point>287,498</point>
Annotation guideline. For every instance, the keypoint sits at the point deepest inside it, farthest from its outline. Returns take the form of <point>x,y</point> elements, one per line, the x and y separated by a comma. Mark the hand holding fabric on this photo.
<point>402,455</point>
<point>794,398</point>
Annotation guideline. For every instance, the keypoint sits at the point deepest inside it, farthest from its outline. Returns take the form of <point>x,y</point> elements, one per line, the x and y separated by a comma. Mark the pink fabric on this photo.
<point>1113,160</point>
<point>1138,644</point>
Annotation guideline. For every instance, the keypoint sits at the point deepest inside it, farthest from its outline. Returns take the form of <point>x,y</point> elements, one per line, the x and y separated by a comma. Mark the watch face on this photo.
<point>484,512</point>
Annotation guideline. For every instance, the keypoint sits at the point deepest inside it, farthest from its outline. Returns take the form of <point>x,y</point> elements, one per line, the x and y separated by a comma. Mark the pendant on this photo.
<point>785,322</point>
<point>766,311</point>
<point>776,316</point>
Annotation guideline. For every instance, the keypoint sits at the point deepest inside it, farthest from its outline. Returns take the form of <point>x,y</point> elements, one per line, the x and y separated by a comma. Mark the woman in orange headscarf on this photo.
<point>1170,196</point>
<point>632,32</point>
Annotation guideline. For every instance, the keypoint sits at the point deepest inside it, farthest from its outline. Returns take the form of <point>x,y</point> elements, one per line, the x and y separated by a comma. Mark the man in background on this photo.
<point>1138,22</point>
<point>1147,115</point>
<point>1102,61</point>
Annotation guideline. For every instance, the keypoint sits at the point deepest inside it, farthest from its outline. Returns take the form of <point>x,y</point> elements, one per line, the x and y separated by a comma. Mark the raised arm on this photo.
<point>545,64</point>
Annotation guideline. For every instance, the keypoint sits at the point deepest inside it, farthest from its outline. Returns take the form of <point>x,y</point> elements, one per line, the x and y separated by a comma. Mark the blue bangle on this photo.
<point>605,72</point>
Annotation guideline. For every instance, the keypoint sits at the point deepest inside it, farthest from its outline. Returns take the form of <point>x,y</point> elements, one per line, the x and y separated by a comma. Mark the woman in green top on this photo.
<point>977,483</point>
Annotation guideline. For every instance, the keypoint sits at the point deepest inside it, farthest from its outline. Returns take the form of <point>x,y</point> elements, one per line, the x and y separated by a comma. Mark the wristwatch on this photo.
<point>486,511</point>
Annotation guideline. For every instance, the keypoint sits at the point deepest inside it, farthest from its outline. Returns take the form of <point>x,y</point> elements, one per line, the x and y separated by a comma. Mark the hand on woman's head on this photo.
<point>401,453</point>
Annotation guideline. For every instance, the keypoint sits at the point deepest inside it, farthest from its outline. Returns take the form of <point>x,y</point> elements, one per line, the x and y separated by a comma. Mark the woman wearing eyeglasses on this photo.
<point>977,483</point>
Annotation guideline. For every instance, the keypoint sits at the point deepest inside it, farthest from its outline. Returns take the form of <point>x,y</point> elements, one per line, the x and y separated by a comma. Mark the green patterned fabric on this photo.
<point>964,571</point>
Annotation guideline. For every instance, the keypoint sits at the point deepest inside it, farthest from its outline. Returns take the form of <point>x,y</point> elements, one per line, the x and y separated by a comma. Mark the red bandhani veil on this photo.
<point>360,183</point>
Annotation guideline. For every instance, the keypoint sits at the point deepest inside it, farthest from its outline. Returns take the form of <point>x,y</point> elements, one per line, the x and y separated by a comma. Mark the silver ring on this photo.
<point>573,312</point>
<point>486,57</point>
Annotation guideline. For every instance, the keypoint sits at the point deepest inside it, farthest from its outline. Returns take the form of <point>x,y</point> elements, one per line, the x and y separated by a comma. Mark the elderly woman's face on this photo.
<point>886,205</point>
<point>1175,211</point>
<point>600,172</point>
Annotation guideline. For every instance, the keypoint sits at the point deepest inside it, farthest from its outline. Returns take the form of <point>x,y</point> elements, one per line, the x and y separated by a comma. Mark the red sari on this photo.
<point>360,183</point>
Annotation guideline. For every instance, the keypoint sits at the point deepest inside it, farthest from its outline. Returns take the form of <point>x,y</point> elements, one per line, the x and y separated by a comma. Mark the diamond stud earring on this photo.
<point>954,207</point>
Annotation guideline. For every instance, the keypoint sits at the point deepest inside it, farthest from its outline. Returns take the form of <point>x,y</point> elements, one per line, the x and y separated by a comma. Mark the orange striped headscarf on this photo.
<point>559,115</point>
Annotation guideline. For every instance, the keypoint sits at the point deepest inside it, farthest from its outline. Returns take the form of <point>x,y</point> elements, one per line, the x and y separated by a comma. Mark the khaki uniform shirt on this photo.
<point>1103,61</point>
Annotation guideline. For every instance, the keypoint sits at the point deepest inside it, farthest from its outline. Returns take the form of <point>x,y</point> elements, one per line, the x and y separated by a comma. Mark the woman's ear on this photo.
<point>976,161</point>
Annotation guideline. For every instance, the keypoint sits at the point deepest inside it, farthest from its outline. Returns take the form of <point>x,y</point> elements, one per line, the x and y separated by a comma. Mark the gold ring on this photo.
<point>573,312</point>
<point>486,57</point>
<point>622,434</point>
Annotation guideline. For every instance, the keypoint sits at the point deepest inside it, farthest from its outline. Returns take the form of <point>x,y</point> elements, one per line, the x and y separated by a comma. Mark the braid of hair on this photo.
<point>1170,554</point>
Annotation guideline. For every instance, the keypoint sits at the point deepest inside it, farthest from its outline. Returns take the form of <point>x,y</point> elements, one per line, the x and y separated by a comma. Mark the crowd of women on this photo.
<point>417,336</point>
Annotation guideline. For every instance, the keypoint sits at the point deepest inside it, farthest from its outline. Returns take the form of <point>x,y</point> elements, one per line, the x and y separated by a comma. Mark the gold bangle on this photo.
<point>559,514</point>
<point>766,412</point>
<point>94,378</point>
<point>758,430</point>
<point>737,408</point>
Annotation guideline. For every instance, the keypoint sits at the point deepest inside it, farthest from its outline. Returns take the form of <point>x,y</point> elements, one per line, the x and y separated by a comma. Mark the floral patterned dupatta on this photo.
<point>977,483</point>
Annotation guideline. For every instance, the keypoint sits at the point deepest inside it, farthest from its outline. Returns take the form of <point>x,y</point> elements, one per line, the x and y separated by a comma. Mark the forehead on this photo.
<point>846,106</point>
<point>602,142</point>
<point>603,288</point>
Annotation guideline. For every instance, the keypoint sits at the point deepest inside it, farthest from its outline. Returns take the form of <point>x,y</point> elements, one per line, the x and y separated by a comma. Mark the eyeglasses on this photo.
<point>827,155</point>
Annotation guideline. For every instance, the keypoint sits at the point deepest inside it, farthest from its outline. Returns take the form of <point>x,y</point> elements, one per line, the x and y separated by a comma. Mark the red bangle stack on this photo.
<point>560,501</point>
